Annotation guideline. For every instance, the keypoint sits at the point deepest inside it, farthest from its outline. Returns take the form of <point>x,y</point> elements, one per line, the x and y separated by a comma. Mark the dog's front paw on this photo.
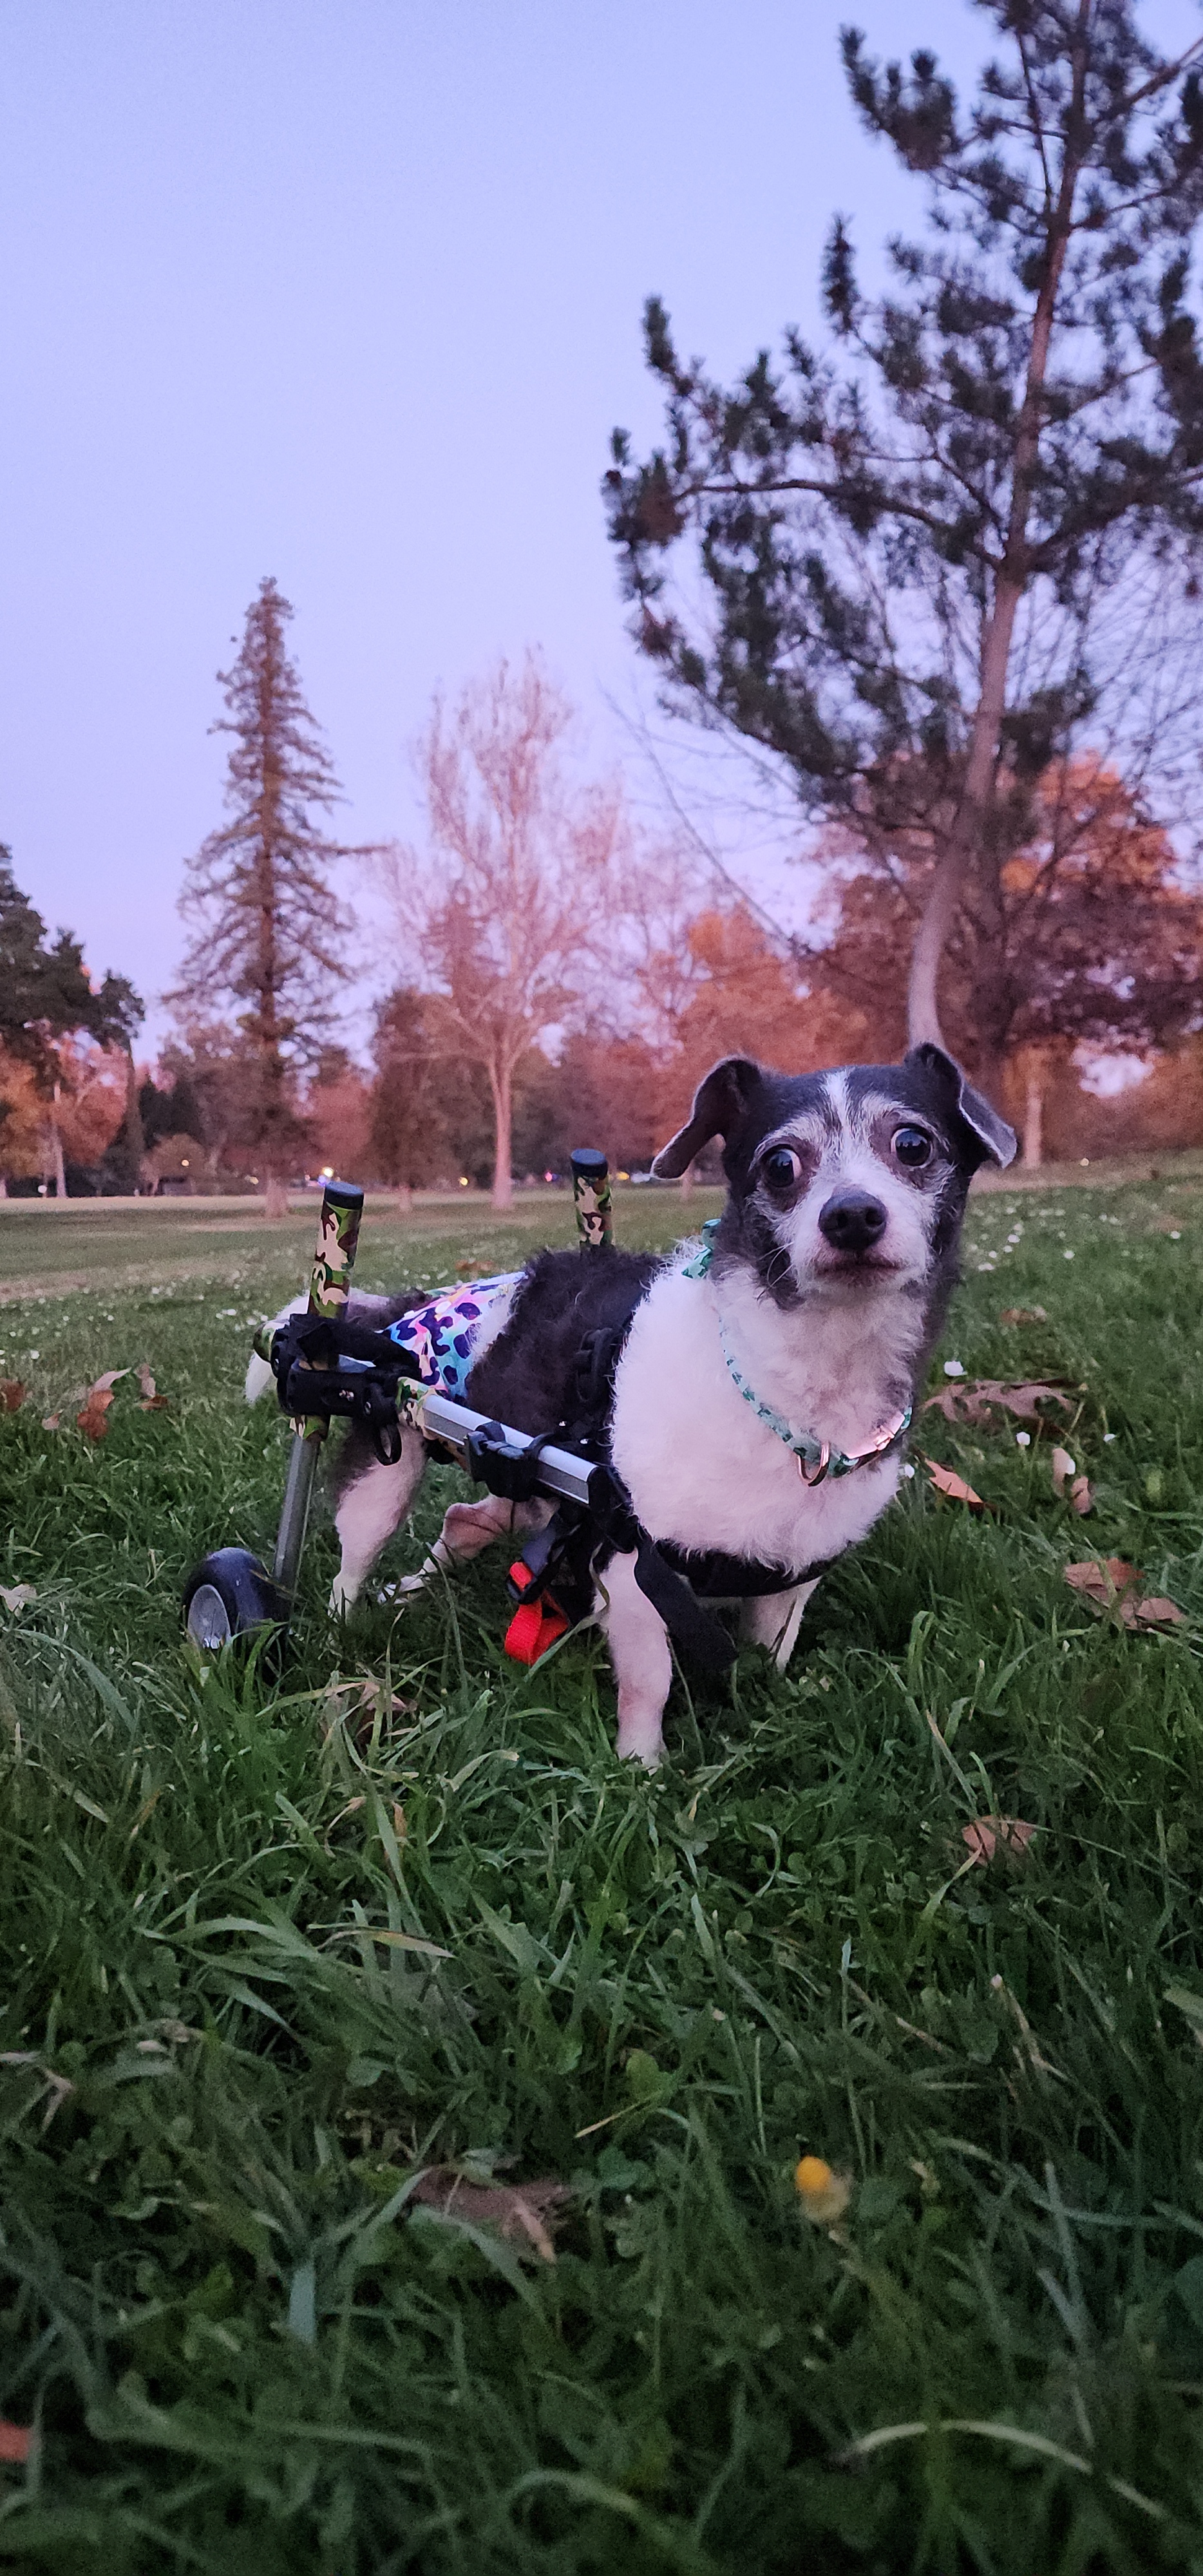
<point>640,1739</point>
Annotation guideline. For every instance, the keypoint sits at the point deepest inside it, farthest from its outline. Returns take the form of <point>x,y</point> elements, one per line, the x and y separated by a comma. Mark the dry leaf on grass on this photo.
<point>152,1401</point>
<point>954,1486</point>
<point>1110,1583</point>
<point>92,1421</point>
<point>51,1421</point>
<point>1023,1315</point>
<point>1081,1495</point>
<point>521,2212</point>
<point>1103,1579</point>
<point>14,1596</point>
<point>16,2441</point>
<point>975,1399</point>
<point>990,1834</point>
<point>1155,1612</point>
<point>12,1394</point>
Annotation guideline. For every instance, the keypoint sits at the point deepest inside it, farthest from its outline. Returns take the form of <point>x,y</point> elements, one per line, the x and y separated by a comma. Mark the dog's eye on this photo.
<point>912,1147</point>
<point>781,1170</point>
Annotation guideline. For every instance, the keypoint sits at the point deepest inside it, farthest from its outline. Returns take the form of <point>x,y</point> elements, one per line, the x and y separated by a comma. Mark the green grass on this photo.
<point>248,2349</point>
<point>55,1250</point>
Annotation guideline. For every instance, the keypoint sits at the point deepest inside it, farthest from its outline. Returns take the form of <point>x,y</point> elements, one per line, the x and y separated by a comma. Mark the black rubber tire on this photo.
<point>229,1595</point>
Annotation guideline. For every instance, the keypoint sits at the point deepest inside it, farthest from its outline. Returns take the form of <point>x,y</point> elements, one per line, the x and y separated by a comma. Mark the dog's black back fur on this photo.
<point>528,1375</point>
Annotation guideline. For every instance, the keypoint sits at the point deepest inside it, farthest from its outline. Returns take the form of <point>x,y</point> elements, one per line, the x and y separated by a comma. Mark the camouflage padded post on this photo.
<point>591,1196</point>
<point>329,1289</point>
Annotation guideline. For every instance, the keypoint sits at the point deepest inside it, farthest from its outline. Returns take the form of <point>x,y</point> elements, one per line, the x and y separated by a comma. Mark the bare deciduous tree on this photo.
<point>508,911</point>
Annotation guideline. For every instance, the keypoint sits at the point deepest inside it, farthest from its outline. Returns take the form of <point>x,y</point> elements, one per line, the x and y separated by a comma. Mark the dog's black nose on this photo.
<point>852,1221</point>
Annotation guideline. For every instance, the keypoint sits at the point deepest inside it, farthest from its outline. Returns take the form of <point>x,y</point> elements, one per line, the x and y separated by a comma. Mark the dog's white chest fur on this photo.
<point>702,1469</point>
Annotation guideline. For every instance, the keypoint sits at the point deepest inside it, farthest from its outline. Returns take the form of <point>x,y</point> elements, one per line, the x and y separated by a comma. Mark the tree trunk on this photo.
<point>969,834</point>
<point>687,1182</point>
<point>970,837</point>
<point>3,1185</point>
<point>501,1086</point>
<point>1033,1120</point>
<point>276,1202</point>
<point>405,1198</point>
<point>56,1149</point>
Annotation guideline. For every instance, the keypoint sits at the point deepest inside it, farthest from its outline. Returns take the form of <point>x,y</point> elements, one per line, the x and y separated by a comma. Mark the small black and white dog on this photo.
<point>761,1399</point>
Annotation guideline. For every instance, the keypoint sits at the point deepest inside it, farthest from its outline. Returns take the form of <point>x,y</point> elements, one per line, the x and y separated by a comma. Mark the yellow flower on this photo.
<point>824,2195</point>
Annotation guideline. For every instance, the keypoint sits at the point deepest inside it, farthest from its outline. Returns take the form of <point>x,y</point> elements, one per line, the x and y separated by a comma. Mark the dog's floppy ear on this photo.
<point>718,1105</point>
<point>995,1141</point>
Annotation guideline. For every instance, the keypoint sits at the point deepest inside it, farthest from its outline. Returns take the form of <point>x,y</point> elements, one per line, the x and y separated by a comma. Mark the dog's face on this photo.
<point>843,1185</point>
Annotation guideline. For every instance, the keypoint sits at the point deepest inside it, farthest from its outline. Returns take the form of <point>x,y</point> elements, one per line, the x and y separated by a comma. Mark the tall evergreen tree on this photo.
<point>905,548</point>
<point>269,932</point>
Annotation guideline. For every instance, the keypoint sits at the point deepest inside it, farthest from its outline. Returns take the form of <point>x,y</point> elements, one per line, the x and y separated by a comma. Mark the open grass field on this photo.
<point>271,1948</point>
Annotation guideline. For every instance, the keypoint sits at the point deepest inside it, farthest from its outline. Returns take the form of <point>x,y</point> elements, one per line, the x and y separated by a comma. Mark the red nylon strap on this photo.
<point>536,1625</point>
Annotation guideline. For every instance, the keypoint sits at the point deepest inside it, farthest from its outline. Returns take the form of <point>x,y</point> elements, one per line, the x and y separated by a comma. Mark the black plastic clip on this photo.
<point>507,1467</point>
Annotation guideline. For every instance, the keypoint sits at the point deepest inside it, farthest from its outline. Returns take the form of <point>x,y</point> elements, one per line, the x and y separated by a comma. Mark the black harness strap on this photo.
<point>675,1580</point>
<point>715,1577</point>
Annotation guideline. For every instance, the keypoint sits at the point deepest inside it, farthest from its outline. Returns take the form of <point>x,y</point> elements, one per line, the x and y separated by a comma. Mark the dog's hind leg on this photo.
<point>467,1529</point>
<point>470,1527</point>
<point>773,1619</point>
<point>372,1500</point>
<point>643,1669</point>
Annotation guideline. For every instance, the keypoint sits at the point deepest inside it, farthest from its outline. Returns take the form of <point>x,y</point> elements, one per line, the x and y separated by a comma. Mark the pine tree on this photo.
<point>906,551</point>
<point>270,933</point>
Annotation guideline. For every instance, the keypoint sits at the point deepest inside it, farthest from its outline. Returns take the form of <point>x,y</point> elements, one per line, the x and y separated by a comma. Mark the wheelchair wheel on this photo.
<point>229,1595</point>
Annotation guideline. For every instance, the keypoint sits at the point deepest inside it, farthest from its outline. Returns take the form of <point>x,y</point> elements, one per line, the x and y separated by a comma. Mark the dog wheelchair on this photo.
<point>328,1369</point>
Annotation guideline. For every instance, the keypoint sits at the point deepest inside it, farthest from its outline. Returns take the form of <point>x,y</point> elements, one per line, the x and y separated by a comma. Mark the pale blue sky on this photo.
<point>350,293</point>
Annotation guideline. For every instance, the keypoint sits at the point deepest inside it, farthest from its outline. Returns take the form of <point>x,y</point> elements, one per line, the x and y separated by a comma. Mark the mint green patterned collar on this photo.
<point>698,1267</point>
<point>816,1458</point>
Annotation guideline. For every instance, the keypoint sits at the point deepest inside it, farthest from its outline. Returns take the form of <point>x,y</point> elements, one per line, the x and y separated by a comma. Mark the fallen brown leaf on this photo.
<point>1023,1315</point>
<point>1110,1583</point>
<point>1104,1580</point>
<point>975,1398</point>
<point>16,2441</point>
<point>152,1401</point>
<point>521,2212</point>
<point>1156,1612</point>
<point>989,1834</point>
<point>12,1394</point>
<point>92,1420</point>
<point>51,1421</point>
<point>1081,1495</point>
<point>954,1486</point>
